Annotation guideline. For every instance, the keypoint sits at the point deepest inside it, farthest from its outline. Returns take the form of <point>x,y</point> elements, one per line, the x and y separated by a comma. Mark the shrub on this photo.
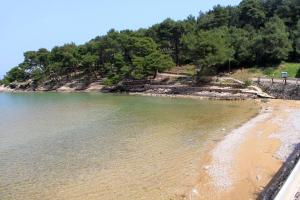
<point>247,82</point>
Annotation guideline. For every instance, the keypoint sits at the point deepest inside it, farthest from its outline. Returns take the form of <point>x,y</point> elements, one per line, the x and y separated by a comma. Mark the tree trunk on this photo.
<point>177,54</point>
<point>155,74</point>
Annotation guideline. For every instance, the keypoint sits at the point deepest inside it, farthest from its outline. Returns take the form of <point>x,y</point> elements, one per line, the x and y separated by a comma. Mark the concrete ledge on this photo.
<point>291,186</point>
<point>286,181</point>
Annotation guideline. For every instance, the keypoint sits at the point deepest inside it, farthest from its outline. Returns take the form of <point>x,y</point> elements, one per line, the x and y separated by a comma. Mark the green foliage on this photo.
<point>149,65</point>
<point>288,11</point>
<point>242,42</point>
<point>4,82</point>
<point>252,13</point>
<point>298,74</point>
<point>219,16</point>
<point>247,82</point>
<point>112,80</point>
<point>274,45</point>
<point>16,74</point>
<point>168,34</point>
<point>254,32</point>
<point>293,70</point>
<point>296,41</point>
<point>208,49</point>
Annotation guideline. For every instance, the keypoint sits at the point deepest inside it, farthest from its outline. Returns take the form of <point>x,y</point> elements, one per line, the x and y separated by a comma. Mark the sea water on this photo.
<point>103,146</point>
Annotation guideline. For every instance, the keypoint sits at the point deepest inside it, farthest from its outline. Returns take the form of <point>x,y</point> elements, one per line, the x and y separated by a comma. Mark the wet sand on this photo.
<point>244,162</point>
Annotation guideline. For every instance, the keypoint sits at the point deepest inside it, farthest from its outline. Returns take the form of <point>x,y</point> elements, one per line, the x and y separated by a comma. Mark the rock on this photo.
<point>258,177</point>
<point>21,85</point>
<point>281,91</point>
<point>65,89</point>
<point>5,89</point>
<point>206,167</point>
<point>195,191</point>
<point>95,86</point>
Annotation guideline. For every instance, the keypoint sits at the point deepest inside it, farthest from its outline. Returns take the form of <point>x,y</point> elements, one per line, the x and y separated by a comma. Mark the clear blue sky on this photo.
<point>32,24</point>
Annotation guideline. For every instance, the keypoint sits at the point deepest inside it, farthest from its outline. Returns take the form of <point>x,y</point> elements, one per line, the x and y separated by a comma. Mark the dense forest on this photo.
<point>256,32</point>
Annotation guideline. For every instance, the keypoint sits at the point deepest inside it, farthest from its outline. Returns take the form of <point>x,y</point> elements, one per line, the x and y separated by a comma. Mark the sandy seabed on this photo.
<point>244,162</point>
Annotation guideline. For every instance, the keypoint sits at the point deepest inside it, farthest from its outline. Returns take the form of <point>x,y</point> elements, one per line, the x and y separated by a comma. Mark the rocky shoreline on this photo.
<point>206,92</point>
<point>5,89</point>
<point>163,85</point>
<point>281,91</point>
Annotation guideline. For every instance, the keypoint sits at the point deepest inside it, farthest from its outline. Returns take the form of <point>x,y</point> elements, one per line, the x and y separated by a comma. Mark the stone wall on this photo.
<point>281,91</point>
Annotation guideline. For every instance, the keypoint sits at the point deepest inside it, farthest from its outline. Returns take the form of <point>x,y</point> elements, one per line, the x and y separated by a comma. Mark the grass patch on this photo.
<point>293,70</point>
<point>185,70</point>
<point>246,74</point>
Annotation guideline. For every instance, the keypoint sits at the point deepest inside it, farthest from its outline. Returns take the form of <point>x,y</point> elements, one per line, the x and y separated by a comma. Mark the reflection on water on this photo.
<point>96,146</point>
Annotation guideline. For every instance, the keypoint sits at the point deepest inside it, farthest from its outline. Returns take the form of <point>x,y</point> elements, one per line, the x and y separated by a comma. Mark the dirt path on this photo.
<point>290,81</point>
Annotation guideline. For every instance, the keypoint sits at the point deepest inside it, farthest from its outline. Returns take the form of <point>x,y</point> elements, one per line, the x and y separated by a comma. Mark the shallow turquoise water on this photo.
<point>100,146</point>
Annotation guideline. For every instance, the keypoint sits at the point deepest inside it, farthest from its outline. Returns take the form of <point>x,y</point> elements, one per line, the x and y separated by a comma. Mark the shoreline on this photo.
<point>204,96</point>
<point>158,87</point>
<point>243,163</point>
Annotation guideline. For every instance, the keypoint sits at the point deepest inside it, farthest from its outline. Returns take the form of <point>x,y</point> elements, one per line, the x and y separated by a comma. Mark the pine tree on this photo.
<point>274,43</point>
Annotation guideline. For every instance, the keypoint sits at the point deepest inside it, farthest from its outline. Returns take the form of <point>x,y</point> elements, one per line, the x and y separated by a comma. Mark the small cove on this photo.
<point>103,146</point>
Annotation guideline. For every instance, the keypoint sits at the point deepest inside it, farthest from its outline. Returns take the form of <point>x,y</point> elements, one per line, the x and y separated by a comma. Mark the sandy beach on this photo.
<point>244,162</point>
